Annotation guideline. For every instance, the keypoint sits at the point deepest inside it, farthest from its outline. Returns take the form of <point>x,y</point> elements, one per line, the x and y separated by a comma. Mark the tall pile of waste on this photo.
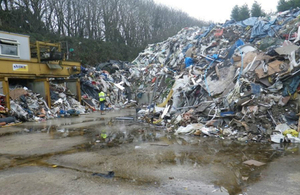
<point>113,78</point>
<point>238,80</point>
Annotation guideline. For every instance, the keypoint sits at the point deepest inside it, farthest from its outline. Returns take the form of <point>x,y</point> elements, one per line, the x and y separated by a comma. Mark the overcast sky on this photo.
<point>215,10</point>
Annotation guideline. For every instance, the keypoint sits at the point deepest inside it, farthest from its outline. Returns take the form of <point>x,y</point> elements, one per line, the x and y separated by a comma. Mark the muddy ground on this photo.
<point>104,154</point>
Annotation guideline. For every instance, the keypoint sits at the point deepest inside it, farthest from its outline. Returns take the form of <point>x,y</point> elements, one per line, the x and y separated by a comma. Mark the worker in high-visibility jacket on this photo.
<point>102,99</point>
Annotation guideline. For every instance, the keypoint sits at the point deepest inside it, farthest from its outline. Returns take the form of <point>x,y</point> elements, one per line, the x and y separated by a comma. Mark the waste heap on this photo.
<point>238,80</point>
<point>110,76</point>
<point>113,78</point>
<point>29,106</point>
<point>63,101</point>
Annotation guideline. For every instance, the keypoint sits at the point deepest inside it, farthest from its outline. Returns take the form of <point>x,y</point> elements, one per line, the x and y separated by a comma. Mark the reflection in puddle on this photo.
<point>225,158</point>
<point>221,161</point>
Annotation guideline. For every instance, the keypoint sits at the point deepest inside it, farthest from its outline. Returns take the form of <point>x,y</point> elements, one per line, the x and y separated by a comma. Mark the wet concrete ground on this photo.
<point>74,156</point>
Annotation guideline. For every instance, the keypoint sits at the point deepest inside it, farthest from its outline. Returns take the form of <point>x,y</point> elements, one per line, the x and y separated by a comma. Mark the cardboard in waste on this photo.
<point>250,56</point>
<point>218,86</point>
<point>273,67</point>
<point>16,93</point>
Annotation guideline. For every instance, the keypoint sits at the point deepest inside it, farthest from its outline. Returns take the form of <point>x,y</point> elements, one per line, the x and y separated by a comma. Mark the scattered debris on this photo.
<point>254,162</point>
<point>237,80</point>
<point>159,144</point>
<point>29,106</point>
<point>109,175</point>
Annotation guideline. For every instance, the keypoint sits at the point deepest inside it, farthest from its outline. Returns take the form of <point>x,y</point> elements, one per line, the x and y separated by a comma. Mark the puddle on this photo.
<point>224,158</point>
<point>145,155</point>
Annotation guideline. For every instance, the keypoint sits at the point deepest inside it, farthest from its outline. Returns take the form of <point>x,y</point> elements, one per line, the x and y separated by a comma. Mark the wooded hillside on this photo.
<point>97,30</point>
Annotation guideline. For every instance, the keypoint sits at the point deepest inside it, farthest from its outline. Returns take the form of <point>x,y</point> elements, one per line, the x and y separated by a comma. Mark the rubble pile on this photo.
<point>29,106</point>
<point>113,78</point>
<point>26,105</point>
<point>63,101</point>
<point>238,80</point>
<point>110,76</point>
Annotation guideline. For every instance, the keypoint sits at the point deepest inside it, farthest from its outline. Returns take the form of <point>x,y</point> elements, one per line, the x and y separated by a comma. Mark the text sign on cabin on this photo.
<point>20,67</point>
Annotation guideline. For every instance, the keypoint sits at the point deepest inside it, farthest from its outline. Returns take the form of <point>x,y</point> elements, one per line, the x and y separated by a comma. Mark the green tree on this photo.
<point>294,3</point>
<point>235,13</point>
<point>256,10</point>
<point>244,12</point>
<point>283,5</point>
<point>107,29</point>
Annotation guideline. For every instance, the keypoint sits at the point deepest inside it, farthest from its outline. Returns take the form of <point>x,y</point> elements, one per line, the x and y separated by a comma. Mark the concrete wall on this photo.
<point>38,87</point>
<point>1,88</point>
<point>72,85</point>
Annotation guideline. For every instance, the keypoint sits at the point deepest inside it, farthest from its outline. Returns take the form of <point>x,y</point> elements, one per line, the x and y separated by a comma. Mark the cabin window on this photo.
<point>9,47</point>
